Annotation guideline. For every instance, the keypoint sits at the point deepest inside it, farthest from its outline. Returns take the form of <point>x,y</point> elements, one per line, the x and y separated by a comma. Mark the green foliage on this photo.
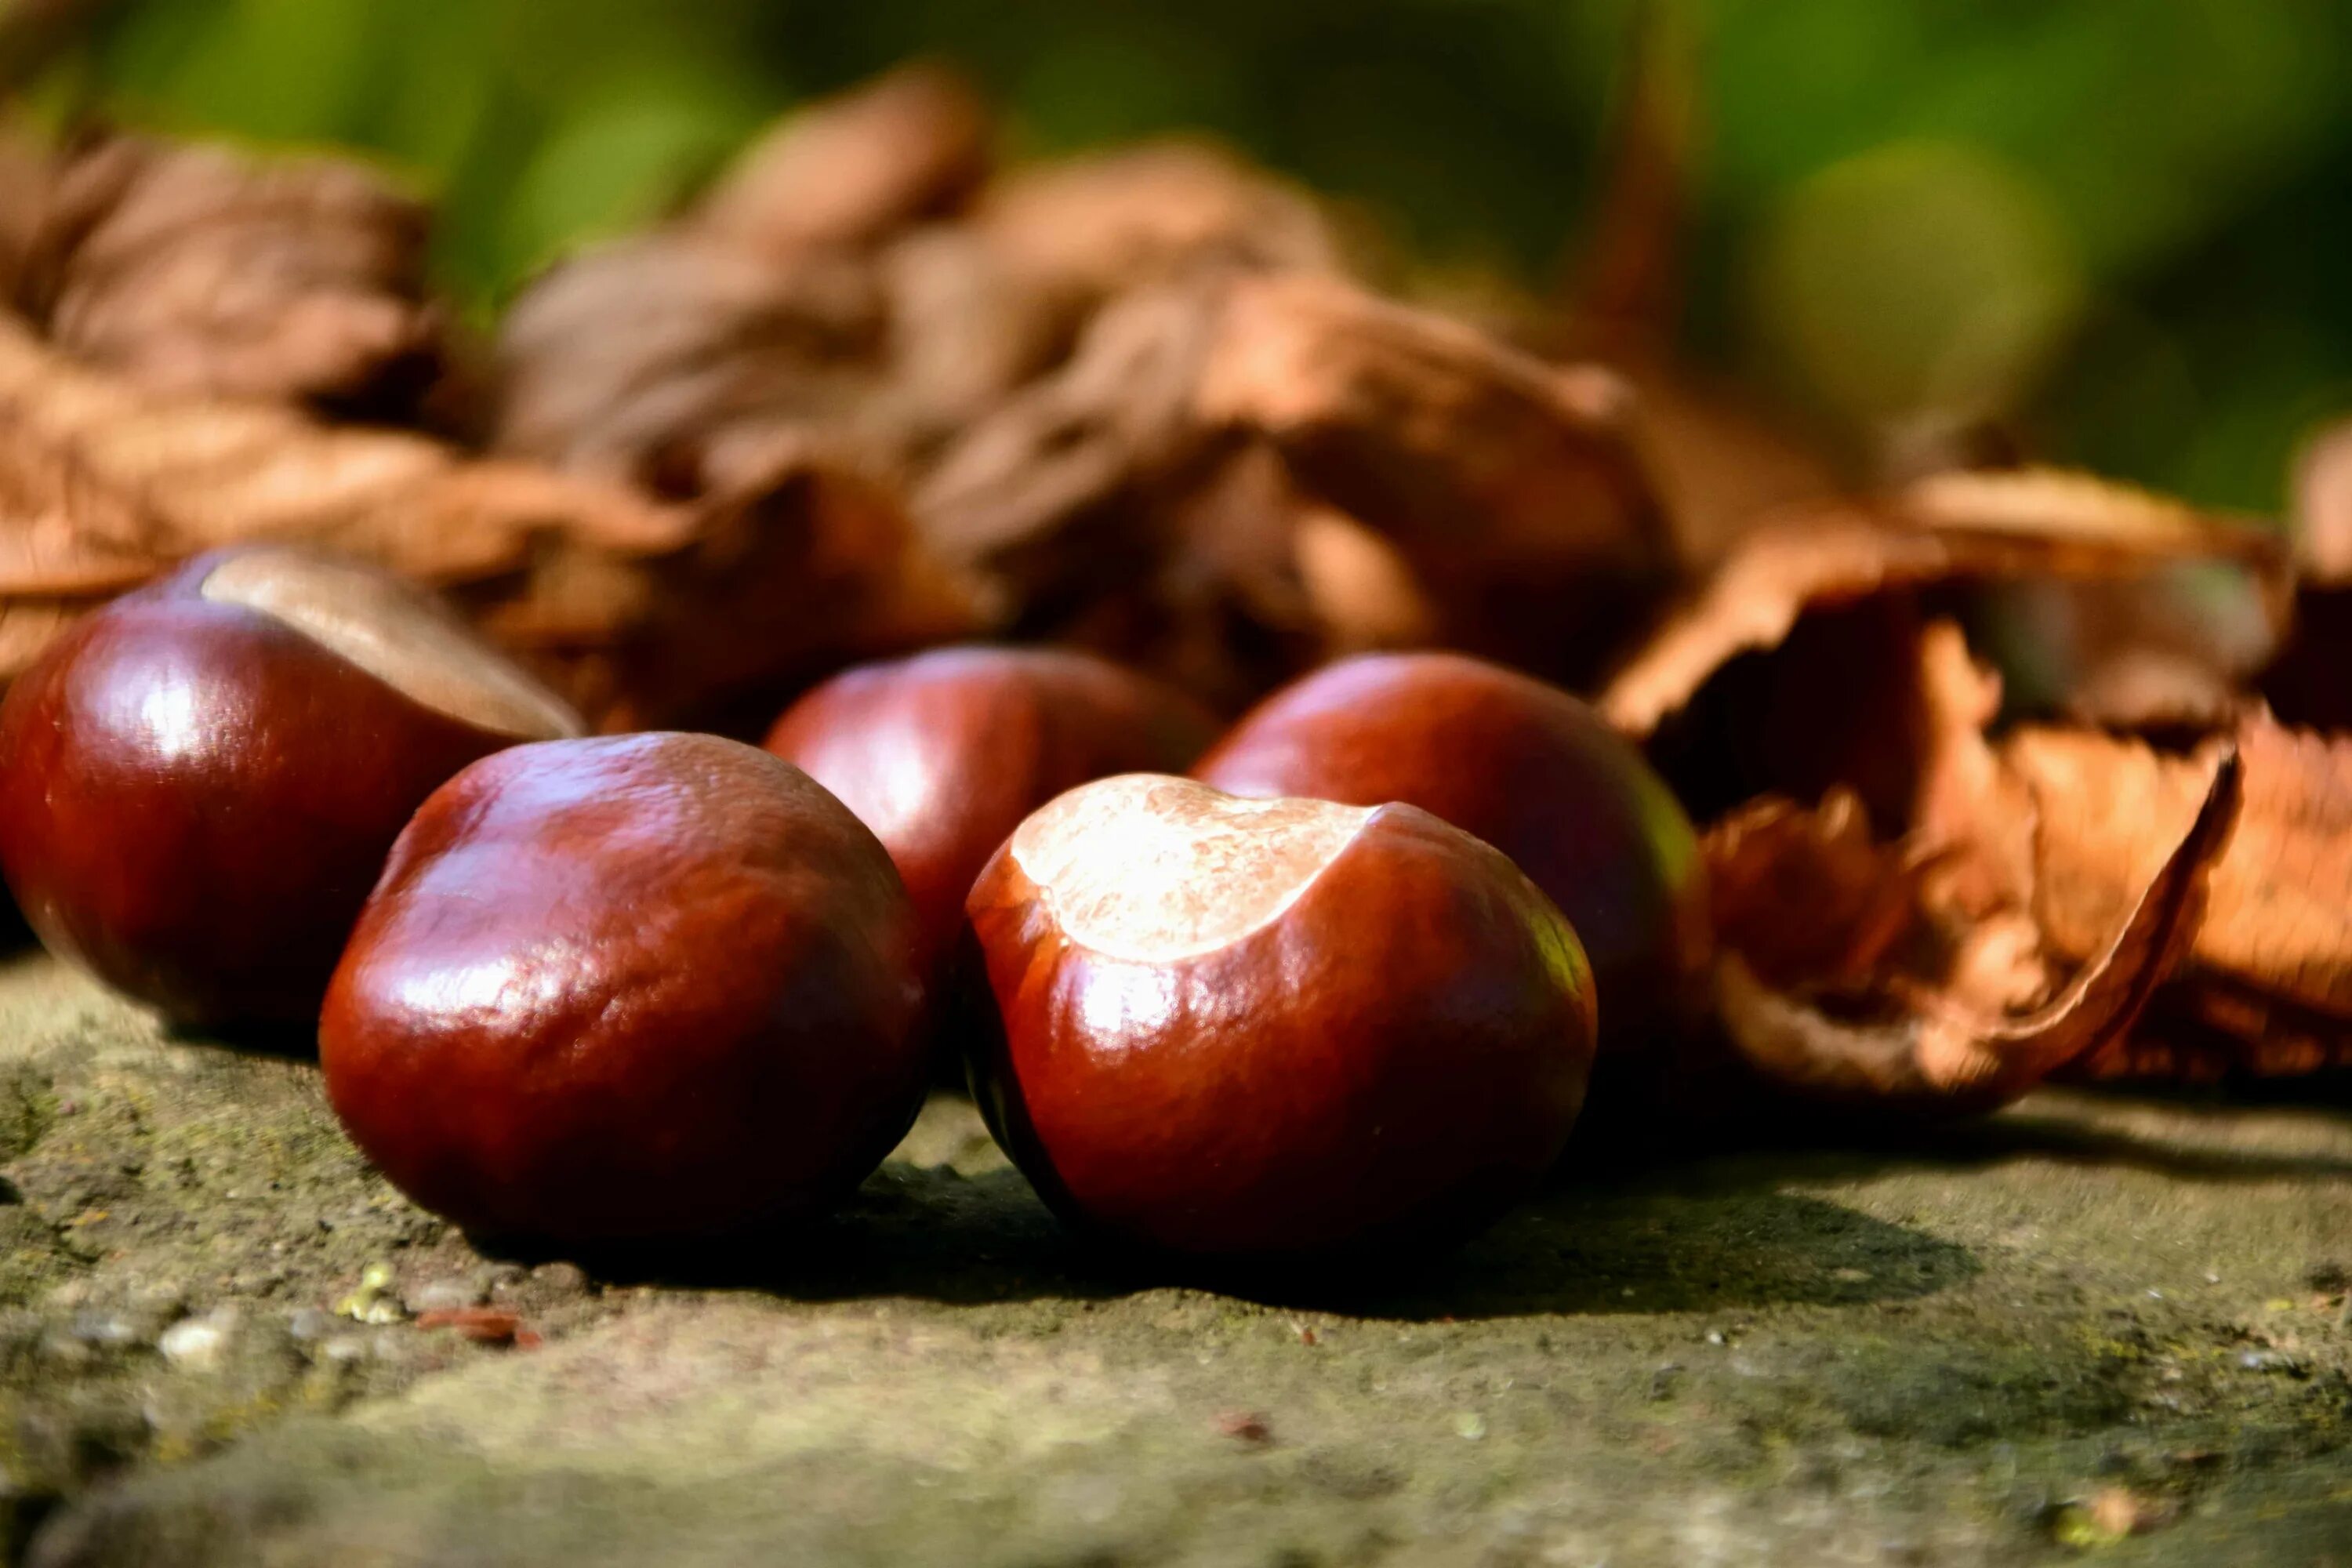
<point>2113,222</point>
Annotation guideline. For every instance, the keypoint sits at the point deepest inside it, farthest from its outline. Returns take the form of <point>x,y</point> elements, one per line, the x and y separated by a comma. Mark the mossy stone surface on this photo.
<point>2091,1328</point>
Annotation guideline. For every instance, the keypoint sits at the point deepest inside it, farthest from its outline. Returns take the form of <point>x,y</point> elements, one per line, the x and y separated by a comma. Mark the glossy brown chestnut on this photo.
<point>1249,1028</point>
<point>943,754</point>
<point>1525,767</point>
<point>634,988</point>
<point>198,783</point>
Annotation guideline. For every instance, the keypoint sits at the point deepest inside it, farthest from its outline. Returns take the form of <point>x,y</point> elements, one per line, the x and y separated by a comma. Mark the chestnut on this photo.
<point>1530,770</point>
<point>943,754</point>
<point>199,781</point>
<point>628,988</point>
<point>1252,1029</point>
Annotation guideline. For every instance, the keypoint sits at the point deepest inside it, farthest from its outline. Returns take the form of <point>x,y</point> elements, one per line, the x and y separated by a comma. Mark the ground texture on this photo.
<point>2091,1327</point>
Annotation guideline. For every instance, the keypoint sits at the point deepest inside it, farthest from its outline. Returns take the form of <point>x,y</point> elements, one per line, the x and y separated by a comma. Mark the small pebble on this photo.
<point>1469,1426</point>
<point>444,1296</point>
<point>195,1344</point>
<point>344,1349</point>
<point>308,1323</point>
<point>565,1277</point>
<point>105,1329</point>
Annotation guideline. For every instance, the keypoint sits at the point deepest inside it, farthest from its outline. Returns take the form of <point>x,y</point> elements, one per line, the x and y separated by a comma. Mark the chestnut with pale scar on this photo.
<point>202,779</point>
<point>1264,1028</point>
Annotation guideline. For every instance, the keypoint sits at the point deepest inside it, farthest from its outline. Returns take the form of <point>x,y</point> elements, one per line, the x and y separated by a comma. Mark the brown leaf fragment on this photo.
<point>1970,814</point>
<point>642,611</point>
<point>2065,523</point>
<point>1805,895</point>
<point>94,470</point>
<point>965,331</point>
<point>193,268</point>
<point>2277,919</point>
<point>1043,495</point>
<point>1515,489</point>
<point>1924,1050</point>
<point>1819,559</point>
<point>853,169</point>
<point>1360,590</point>
<point>671,362</point>
<point>1951,527</point>
<point>798,572</point>
<point>2205,1030</point>
<point>1084,229</point>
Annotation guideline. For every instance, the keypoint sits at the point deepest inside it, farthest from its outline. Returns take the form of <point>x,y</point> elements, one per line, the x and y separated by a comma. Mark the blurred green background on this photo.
<point>2118,225</point>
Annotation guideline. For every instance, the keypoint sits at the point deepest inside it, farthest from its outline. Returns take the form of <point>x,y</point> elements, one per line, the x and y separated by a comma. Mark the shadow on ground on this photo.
<point>1654,1246</point>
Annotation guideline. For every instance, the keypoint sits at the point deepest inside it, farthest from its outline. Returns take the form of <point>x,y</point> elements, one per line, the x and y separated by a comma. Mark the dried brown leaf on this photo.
<point>1947,528</point>
<point>664,360</point>
<point>1819,558</point>
<point>1360,590</point>
<point>1806,896</point>
<point>1085,229</point>
<point>641,610</point>
<point>852,170</point>
<point>1048,493</point>
<point>1936,1053</point>
<point>193,268</point>
<point>1514,488</point>
<point>2278,913</point>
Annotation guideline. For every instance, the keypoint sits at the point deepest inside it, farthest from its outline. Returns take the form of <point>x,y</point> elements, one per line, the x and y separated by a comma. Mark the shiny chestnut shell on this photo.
<point>633,988</point>
<point>1530,770</point>
<point>199,782</point>
<point>943,753</point>
<point>1376,1030</point>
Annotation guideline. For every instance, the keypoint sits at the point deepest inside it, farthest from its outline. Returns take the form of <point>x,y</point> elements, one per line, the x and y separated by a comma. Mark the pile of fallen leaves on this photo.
<point>872,391</point>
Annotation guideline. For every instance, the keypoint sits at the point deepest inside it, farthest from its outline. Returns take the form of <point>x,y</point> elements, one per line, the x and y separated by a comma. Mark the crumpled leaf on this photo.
<point>1925,1046</point>
<point>910,144</point>
<point>1515,488</point>
<point>2278,915</point>
<point>1087,228</point>
<point>1806,894</point>
<point>193,268</point>
<point>1504,502</point>
<point>1040,494</point>
<point>672,362</point>
<point>2026,522</point>
<point>1786,673</point>
<point>641,610</point>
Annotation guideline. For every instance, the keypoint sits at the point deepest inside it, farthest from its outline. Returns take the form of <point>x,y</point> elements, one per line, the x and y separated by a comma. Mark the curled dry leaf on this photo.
<point>1806,896</point>
<point>1788,671</point>
<point>195,268</point>
<point>2276,933</point>
<point>644,611</point>
<point>1927,1049</point>
<point>2029,522</point>
<point>850,171</point>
